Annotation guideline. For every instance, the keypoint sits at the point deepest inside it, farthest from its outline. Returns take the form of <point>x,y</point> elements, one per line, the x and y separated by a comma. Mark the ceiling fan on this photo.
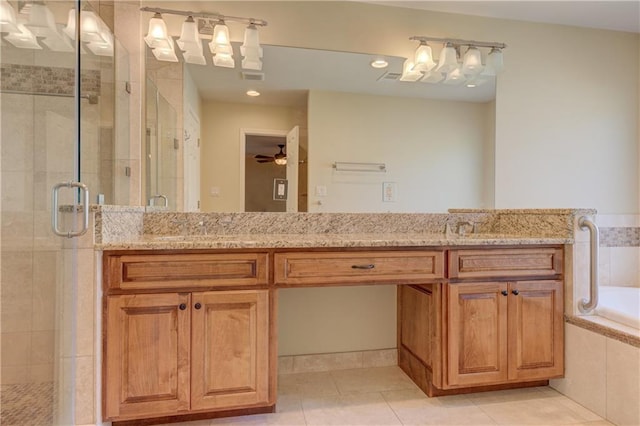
<point>280,158</point>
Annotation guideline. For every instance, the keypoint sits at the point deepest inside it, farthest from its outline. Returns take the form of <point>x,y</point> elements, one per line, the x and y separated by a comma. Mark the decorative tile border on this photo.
<point>620,237</point>
<point>54,80</point>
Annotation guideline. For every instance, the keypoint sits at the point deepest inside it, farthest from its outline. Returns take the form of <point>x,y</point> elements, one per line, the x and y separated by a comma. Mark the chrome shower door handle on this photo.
<point>55,209</point>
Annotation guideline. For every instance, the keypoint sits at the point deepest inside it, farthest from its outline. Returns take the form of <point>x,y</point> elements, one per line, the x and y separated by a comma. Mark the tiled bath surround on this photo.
<point>619,263</point>
<point>602,363</point>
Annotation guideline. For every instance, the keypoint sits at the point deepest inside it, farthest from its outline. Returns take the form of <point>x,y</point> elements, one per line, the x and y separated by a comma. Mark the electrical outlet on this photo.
<point>389,192</point>
<point>321,191</point>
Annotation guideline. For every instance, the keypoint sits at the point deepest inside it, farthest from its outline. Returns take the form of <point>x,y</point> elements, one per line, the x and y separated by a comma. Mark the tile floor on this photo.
<point>386,396</point>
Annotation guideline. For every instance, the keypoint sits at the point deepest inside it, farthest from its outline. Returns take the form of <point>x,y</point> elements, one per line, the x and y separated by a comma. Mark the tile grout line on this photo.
<point>394,411</point>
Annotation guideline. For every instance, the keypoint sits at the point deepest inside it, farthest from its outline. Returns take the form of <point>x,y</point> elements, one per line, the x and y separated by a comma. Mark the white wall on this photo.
<point>433,151</point>
<point>220,147</point>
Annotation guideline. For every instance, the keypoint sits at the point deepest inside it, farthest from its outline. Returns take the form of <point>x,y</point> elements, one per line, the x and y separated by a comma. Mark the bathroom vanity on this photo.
<point>189,324</point>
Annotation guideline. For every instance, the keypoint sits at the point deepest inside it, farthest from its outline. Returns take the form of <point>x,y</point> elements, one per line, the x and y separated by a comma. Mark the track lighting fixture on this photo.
<point>39,28</point>
<point>200,25</point>
<point>449,68</point>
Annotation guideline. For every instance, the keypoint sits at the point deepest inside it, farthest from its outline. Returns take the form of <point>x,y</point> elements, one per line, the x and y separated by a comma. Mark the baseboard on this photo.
<point>289,364</point>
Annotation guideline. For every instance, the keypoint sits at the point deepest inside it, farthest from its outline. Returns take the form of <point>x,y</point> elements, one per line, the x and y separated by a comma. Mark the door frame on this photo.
<point>243,139</point>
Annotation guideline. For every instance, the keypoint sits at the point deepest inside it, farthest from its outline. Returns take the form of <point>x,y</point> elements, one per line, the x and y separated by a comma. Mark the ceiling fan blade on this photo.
<point>266,161</point>
<point>262,156</point>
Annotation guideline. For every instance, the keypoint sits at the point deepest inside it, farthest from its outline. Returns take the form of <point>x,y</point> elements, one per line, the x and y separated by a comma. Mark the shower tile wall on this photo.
<point>619,263</point>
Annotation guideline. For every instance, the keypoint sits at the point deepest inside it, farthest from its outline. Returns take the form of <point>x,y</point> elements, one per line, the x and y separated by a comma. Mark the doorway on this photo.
<point>269,170</point>
<point>261,171</point>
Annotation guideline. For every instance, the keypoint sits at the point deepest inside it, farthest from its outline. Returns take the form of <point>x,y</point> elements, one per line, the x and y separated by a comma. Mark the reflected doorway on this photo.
<point>269,158</point>
<point>260,172</point>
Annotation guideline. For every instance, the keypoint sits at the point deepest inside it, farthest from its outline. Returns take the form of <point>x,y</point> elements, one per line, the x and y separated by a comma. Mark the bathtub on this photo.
<point>620,304</point>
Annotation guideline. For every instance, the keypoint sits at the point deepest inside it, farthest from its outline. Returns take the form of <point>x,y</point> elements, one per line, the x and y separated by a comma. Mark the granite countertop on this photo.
<point>177,242</point>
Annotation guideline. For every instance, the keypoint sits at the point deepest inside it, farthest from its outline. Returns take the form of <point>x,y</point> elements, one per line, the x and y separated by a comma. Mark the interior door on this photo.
<point>293,145</point>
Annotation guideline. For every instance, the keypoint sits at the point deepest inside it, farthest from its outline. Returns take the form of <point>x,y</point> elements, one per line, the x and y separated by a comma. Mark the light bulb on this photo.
<point>189,39</point>
<point>157,36</point>
<point>448,59</point>
<point>472,62</point>
<point>251,42</point>
<point>408,74</point>
<point>495,60</point>
<point>423,60</point>
<point>220,42</point>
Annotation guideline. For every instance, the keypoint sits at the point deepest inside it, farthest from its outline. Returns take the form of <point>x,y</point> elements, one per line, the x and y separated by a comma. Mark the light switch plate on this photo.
<point>389,191</point>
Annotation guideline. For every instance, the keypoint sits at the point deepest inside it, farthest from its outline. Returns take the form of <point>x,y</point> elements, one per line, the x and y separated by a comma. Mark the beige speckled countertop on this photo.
<point>133,228</point>
<point>265,241</point>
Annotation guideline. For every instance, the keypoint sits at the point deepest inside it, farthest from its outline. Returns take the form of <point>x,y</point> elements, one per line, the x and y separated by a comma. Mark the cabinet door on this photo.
<point>230,349</point>
<point>535,330</point>
<point>477,333</point>
<point>147,355</point>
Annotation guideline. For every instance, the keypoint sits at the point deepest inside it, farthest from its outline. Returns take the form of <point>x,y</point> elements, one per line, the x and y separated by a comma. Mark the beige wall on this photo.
<point>433,151</point>
<point>220,147</point>
<point>567,114</point>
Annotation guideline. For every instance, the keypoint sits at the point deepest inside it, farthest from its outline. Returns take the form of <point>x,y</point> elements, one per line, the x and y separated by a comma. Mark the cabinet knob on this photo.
<point>515,292</point>
<point>182,306</point>
<point>197,305</point>
<point>504,292</point>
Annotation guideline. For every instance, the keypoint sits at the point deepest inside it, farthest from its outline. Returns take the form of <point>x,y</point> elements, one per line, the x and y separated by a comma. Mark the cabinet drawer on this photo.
<point>138,272</point>
<point>495,263</point>
<point>357,268</point>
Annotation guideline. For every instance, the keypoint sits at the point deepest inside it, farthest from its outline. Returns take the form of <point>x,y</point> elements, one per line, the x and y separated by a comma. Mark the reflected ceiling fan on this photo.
<point>280,158</point>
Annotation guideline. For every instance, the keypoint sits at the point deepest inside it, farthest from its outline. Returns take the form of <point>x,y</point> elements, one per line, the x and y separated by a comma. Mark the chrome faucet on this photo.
<point>154,197</point>
<point>203,227</point>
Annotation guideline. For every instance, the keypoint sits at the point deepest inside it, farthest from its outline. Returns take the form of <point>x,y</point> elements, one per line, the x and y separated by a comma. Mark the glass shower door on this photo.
<point>40,143</point>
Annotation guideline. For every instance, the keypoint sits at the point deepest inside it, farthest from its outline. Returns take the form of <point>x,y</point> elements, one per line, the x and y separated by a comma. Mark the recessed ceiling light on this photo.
<point>253,93</point>
<point>379,63</point>
<point>471,84</point>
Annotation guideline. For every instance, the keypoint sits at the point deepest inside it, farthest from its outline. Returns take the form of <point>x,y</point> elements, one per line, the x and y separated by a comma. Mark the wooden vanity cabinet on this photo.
<point>172,352</point>
<point>504,331</point>
<point>495,321</point>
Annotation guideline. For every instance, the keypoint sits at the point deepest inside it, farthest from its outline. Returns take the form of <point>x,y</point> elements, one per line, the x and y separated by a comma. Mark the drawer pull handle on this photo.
<point>369,266</point>
<point>515,292</point>
<point>198,306</point>
<point>182,306</point>
<point>504,292</point>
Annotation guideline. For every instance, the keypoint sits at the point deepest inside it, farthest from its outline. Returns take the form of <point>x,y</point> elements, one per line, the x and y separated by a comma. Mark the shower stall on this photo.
<point>51,133</point>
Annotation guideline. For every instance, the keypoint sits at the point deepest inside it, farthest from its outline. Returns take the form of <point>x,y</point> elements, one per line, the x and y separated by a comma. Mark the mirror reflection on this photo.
<point>429,136</point>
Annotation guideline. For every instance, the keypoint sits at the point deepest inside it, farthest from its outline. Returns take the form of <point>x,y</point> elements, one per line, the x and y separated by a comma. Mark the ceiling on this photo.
<point>608,15</point>
<point>290,72</point>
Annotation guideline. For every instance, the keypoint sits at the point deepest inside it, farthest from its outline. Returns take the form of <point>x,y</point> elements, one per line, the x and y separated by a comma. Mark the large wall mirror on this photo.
<point>318,108</point>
